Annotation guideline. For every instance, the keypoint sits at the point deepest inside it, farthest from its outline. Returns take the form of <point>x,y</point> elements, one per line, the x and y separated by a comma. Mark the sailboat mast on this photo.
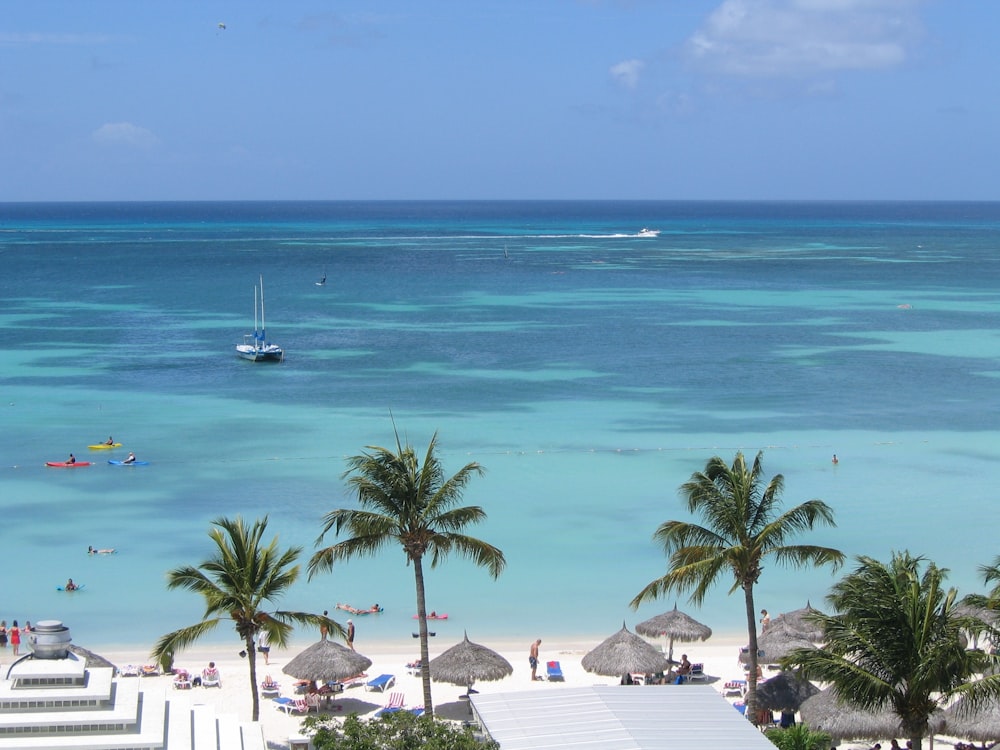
<point>263,331</point>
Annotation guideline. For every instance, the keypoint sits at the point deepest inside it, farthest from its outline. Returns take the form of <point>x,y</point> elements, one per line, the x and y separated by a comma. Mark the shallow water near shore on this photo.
<point>590,371</point>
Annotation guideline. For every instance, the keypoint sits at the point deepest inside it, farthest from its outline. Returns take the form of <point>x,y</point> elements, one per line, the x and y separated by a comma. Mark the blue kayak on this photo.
<point>127,463</point>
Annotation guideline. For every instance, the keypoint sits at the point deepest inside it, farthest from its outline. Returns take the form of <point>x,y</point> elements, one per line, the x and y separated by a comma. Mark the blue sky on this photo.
<point>423,99</point>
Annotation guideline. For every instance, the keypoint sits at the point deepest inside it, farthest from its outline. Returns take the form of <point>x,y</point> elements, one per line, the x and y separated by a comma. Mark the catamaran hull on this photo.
<point>270,353</point>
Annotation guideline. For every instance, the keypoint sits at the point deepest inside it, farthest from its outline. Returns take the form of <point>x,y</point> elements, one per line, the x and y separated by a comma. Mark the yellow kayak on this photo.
<point>104,446</point>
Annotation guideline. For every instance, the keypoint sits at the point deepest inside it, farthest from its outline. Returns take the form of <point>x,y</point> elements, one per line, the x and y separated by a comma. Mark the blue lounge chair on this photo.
<point>554,672</point>
<point>381,683</point>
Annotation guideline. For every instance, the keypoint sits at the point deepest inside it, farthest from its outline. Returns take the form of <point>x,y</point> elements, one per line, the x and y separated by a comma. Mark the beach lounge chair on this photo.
<point>735,687</point>
<point>395,703</point>
<point>182,679</point>
<point>357,679</point>
<point>129,670</point>
<point>292,705</point>
<point>697,673</point>
<point>269,688</point>
<point>553,671</point>
<point>149,670</point>
<point>210,677</point>
<point>381,683</point>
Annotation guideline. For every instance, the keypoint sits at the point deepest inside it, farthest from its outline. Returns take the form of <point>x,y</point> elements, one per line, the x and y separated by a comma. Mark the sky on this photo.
<point>499,99</point>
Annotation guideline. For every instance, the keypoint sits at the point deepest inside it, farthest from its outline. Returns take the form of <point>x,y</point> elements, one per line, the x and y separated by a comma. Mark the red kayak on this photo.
<point>65,465</point>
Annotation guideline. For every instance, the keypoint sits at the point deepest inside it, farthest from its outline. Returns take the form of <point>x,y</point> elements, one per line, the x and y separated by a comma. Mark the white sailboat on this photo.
<point>255,346</point>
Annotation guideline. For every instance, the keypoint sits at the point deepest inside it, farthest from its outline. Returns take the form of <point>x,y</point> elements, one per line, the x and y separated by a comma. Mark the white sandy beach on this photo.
<point>719,655</point>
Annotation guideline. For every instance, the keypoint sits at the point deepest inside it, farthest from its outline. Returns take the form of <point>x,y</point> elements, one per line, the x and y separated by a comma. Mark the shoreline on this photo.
<point>219,643</point>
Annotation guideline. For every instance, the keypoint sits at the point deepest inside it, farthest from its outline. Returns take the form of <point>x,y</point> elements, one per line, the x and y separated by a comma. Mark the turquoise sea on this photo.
<point>589,370</point>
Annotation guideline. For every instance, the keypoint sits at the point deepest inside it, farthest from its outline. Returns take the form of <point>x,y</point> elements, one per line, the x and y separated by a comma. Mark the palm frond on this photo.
<point>174,642</point>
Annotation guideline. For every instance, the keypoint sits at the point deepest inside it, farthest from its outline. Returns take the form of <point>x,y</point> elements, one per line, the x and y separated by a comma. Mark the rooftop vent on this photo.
<point>50,639</point>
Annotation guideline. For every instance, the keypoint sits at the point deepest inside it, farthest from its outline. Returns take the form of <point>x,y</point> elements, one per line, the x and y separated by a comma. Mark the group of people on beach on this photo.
<point>13,635</point>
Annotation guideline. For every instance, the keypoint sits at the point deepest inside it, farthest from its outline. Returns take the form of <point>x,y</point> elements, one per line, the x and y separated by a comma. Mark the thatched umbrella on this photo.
<point>786,690</point>
<point>797,622</point>
<point>466,662</point>
<point>91,660</point>
<point>675,626</point>
<point>622,653</point>
<point>326,660</point>
<point>988,616</point>
<point>981,724</point>
<point>826,712</point>
<point>776,643</point>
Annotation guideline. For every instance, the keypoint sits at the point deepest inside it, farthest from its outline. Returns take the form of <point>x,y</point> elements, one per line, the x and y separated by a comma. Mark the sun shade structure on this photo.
<point>600,717</point>
<point>785,690</point>
<point>91,660</point>
<point>826,712</point>
<point>466,662</point>
<point>624,652</point>
<point>674,626</point>
<point>326,660</point>
<point>981,724</point>
<point>797,622</point>
<point>775,644</point>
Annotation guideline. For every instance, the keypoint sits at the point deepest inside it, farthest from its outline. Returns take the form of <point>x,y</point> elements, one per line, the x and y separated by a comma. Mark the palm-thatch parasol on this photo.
<point>91,660</point>
<point>466,662</point>
<point>797,621</point>
<point>826,712</point>
<point>776,643</point>
<point>622,653</point>
<point>988,616</point>
<point>981,724</point>
<point>784,691</point>
<point>675,626</point>
<point>326,660</point>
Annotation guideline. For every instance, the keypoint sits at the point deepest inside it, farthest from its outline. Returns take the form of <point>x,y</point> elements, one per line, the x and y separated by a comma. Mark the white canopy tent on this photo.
<point>623,717</point>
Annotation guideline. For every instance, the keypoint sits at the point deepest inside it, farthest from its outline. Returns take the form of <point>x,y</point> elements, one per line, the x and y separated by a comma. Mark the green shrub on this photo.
<point>798,737</point>
<point>399,730</point>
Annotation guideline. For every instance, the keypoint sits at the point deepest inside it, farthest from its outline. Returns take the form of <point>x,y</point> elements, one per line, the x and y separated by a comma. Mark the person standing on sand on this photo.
<point>350,634</point>
<point>264,645</point>
<point>323,630</point>
<point>765,620</point>
<point>533,658</point>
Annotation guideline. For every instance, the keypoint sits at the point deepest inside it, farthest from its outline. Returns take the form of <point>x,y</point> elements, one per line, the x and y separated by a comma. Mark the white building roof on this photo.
<point>615,716</point>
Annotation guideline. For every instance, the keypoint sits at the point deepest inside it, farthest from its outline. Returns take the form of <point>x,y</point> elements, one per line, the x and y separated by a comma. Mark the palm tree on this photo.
<point>412,504</point>
<point>742,528</point>
<point>236,582</point>
<point>896,644</point>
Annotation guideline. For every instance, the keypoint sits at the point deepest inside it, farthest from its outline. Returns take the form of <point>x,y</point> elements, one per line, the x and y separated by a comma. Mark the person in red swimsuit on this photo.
<point>15,638</point>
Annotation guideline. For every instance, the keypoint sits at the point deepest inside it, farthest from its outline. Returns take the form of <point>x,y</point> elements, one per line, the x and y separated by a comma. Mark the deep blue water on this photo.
<point>588,369</point>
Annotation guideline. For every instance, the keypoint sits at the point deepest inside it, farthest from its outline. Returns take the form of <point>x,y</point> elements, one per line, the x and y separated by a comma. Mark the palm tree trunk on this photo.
<point>425,669</point>
<point>751,702</point>
<point>252,656</point>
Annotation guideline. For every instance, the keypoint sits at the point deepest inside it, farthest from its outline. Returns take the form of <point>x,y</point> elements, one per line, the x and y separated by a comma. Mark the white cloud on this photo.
<point>804,37</point>
<point>626,73</point>
<point>124,133</point>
